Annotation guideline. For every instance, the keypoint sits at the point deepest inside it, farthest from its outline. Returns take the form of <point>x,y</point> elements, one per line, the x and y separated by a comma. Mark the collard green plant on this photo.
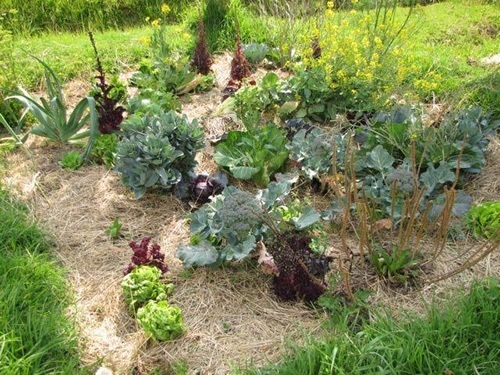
<point>157,150</point>
<point>484,219</point>
<point>253,155</point>
<point>161,320</point>
<point>143,285</point>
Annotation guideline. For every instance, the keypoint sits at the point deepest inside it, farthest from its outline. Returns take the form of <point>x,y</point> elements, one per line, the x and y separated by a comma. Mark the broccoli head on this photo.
<point>240,214</point>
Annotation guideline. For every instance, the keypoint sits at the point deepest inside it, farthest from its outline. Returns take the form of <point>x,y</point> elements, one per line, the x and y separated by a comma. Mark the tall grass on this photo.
<point>461,338</point>
<point>36,336</point>
<point>37,16</point>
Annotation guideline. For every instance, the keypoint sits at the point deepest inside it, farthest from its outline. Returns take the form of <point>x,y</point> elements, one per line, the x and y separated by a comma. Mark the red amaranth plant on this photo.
<point>202,60</point>
<point>146,254</point>
<point>110,114</point>
<point>240,67</point>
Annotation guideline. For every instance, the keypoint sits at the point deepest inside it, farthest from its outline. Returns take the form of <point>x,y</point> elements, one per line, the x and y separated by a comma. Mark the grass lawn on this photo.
<point>36,335</point>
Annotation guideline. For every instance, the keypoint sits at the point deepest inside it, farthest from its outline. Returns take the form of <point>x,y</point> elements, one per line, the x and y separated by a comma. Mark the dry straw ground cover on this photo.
<point>231,315</point>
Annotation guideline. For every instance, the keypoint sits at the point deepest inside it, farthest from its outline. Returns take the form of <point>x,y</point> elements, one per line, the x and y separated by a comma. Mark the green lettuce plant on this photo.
<point>71,160</point>
<point>161,321</point>
<point>253,155</point>
<point>104,150</point>
<point>143,284</point>
<point>157,150</point>
<point>484,219</point>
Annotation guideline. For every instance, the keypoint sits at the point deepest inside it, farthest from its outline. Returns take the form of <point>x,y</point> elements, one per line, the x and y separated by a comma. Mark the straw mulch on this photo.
<point>231,315</point>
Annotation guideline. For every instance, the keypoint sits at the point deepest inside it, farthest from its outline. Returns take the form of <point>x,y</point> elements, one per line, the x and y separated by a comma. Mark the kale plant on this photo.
<point>157,149</point>
<point>315,151</point>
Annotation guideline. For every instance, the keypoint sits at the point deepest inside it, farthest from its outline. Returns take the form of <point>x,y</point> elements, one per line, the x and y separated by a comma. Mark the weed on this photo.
<point>113,231</point>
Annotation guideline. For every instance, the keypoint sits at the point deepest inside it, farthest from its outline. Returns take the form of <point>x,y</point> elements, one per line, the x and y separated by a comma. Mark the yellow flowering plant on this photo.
<point>358,66</point>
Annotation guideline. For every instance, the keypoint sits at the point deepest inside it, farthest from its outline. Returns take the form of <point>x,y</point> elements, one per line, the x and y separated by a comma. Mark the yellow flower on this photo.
<point>329,5</point>
<point>165,9</point>
<point>354,1</point>
<point>155,22</point>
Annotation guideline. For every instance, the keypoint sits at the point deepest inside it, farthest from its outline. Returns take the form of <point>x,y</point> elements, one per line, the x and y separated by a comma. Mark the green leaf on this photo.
<point>160,320</point>
<point>241,250</point>
<point>380,160</point>
<point>244,173</point>
<point>308,217</point>
<point>202,254</point>
<point>270,80</point>
<point>433,178</point>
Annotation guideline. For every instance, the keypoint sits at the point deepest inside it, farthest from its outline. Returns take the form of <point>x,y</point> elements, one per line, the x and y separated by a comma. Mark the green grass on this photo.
<point>451,37</point>
<point>461,338</point>
<point>36,336</point>
<point>447,38</point>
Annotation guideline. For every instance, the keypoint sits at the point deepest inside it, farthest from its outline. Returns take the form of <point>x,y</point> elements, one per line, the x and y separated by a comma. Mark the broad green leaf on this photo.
<point>379,159</point>
<point>202,254</point>
<point>270,80</point>
<point>241,250</point>
<point>244,173</point>
<point>433,178</point>
<point>307,217</point>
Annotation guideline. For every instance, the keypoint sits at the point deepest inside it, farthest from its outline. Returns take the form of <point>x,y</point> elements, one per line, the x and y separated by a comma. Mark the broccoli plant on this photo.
<point>224,229</point>
<point>157,149</point>
<point>230,225</point>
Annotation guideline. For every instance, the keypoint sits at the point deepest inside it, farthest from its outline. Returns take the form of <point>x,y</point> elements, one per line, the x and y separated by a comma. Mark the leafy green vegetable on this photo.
<point>228,227</point>
<point>253,155</point>
<point>161,320</point>
<point>104,150</point>
<point>142,285</point>
<point>314,150</point>
<point>71,160</point>
<point>157,150</point>
<point>484,219</point>
<point>255,52</point>
<point>113,231</point>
